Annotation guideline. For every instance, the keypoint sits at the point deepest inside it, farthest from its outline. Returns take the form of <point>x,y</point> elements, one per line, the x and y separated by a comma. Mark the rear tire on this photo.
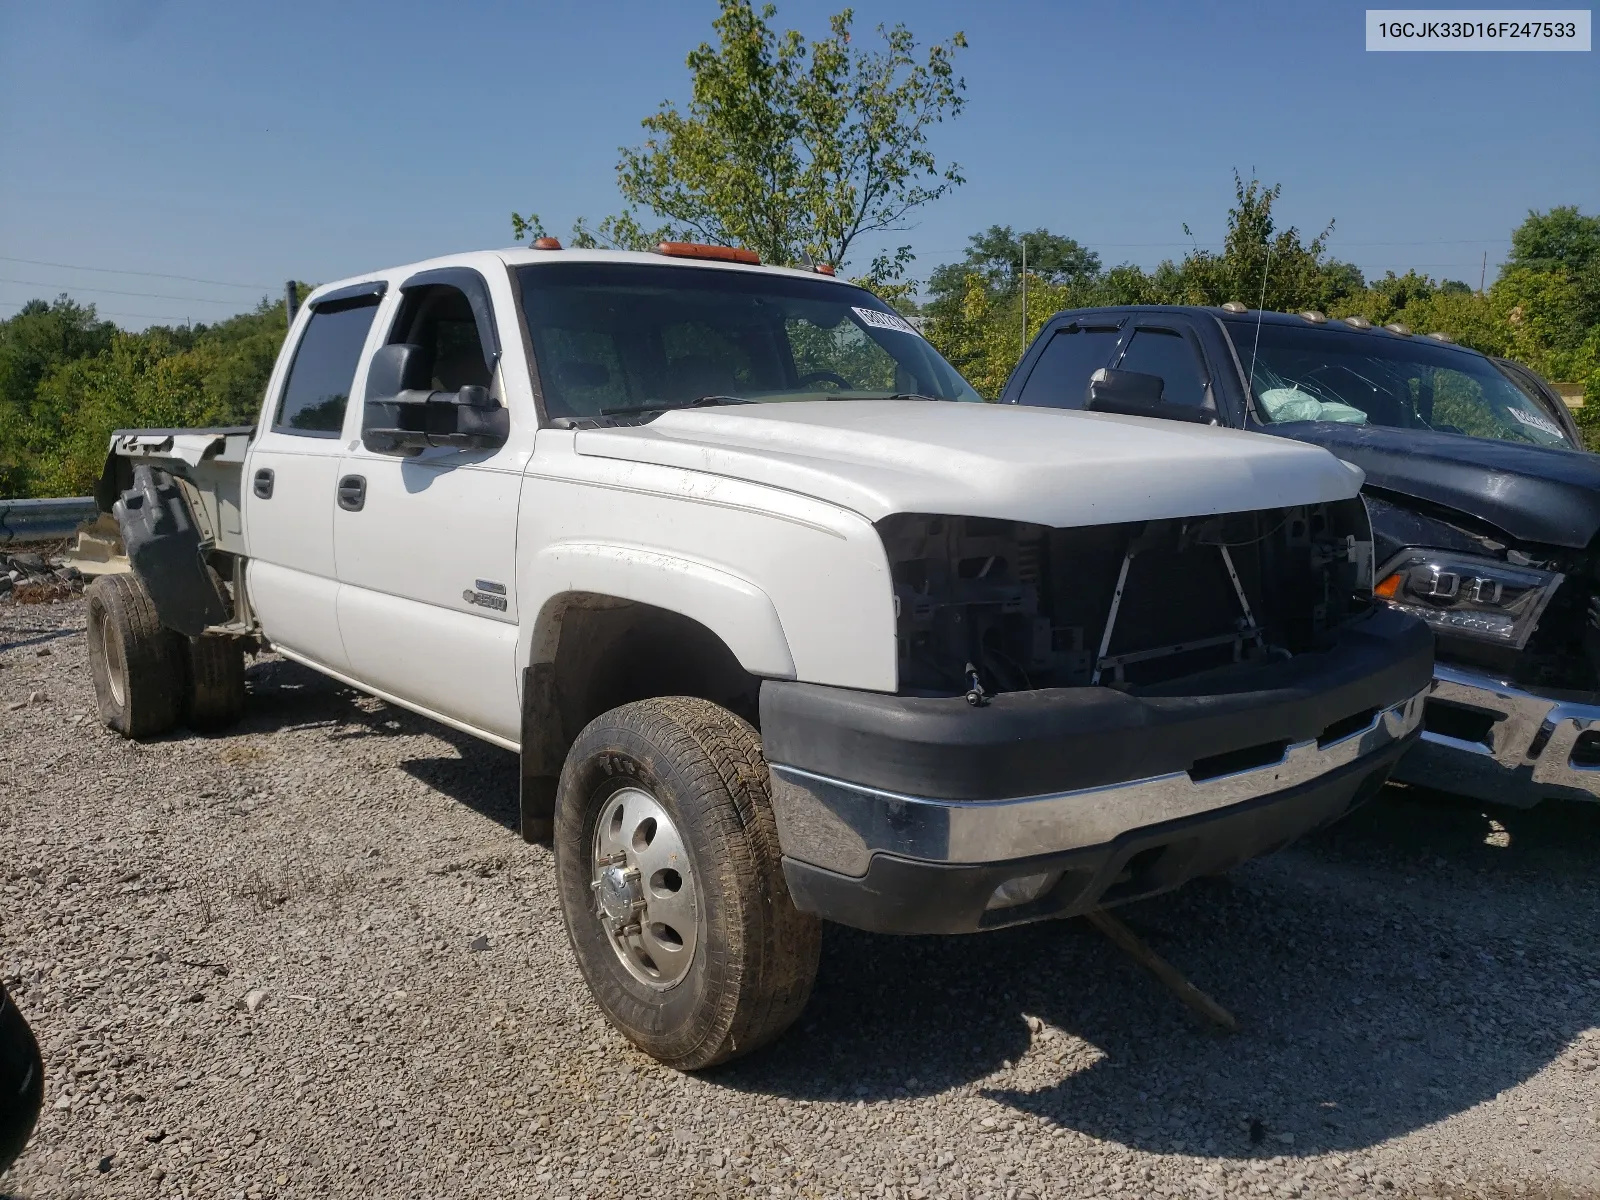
<point>682,782</point>
<point>138,681</point>
<point>213,691</point>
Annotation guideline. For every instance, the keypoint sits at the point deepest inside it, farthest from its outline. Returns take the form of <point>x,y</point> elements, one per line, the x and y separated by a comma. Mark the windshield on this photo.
<point>610,338</point>
<point>1355,378</point>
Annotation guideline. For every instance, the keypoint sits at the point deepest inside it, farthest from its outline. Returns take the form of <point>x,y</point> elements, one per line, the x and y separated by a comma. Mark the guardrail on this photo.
<point>43,520</point>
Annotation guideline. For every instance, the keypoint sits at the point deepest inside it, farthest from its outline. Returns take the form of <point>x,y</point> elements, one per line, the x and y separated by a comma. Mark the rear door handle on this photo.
<point>263,486</point>
<point>352,493</point>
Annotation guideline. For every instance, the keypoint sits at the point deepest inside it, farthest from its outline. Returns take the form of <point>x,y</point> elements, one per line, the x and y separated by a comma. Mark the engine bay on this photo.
<point>984,606</point>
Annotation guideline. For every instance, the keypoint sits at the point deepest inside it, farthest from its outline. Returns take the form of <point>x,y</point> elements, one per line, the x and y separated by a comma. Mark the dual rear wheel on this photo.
<point>147,679</point>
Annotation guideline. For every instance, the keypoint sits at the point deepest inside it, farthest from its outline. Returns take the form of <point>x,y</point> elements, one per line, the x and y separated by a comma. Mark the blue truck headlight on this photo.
<point>1467,596</point>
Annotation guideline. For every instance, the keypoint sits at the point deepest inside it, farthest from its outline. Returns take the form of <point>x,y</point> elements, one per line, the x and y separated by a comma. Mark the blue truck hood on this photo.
<point>1533,493</point>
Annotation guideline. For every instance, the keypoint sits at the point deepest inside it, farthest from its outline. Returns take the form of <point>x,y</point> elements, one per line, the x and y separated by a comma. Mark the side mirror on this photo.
<point>404,415</point>
<point>1135,394</point>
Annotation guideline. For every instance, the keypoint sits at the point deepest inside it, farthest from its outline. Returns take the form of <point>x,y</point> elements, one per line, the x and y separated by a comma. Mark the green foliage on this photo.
<point>67,380</point>
<point>792,149</point>
<point>996,255</point>
<point>39,339</point>
<point>1260,265</point>
<point>1543,310</point>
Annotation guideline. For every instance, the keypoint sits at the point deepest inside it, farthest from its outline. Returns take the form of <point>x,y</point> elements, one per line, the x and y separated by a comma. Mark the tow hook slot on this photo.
<point>1231,762</point>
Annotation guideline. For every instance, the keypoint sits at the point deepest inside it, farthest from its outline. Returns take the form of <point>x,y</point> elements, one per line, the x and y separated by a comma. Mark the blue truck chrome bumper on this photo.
<point>1495,741</point>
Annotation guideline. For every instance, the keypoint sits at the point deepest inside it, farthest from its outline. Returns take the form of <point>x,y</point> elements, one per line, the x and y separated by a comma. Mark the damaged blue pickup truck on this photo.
<point>1484,505</point>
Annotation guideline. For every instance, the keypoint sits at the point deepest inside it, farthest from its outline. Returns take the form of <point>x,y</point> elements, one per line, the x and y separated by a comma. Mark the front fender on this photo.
<point>734,609</point>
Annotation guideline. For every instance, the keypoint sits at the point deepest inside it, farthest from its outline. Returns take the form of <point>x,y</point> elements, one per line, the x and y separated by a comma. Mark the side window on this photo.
<point>1168,354</point>
<point>439,318</point>
<point>324,367</point>
<point>1060,379</point>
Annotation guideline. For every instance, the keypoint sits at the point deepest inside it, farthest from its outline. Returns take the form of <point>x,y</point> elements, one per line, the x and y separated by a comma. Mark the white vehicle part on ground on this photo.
<point>822,569</point>
<point>1047,466</point>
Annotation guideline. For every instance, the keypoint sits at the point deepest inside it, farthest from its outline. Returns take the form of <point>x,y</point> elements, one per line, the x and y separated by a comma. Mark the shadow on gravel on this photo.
<point>1364,1016</point>
<point>285,695</point>
<point>1559,841</point>
<point>39,637</point>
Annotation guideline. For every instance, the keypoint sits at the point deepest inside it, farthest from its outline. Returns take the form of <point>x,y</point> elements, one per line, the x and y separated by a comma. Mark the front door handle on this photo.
<point>352,493</point>
<point>263,484</point>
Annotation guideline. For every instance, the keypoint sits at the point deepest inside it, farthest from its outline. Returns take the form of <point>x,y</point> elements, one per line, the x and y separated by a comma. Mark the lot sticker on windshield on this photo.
<point>1536,422</point>
<point>883,320</point>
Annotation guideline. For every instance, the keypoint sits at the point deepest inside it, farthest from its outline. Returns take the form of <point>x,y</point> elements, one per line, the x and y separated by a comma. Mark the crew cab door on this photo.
<point>291,472</point>
<point>426,542</point>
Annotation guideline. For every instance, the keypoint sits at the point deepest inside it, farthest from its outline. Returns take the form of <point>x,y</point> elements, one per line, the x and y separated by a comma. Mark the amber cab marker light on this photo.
<point>736,254</point>
<point>547,243</point>
<point>1388,587</point>
<point>823,268</point>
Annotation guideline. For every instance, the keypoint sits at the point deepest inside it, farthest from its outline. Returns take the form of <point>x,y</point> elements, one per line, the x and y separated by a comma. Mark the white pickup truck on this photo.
<point>785,623</point>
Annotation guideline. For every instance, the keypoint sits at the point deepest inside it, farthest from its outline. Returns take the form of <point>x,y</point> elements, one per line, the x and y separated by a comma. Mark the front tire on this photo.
<point>671,883</point>
<point>138,681</point>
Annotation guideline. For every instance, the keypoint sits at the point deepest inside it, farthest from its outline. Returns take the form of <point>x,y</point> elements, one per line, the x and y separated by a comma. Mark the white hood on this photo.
<point>1046,466</point>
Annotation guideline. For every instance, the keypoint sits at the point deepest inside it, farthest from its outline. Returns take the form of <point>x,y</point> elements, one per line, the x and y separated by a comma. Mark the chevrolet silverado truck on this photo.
<point>784,622</point>
<point>1485,507</point>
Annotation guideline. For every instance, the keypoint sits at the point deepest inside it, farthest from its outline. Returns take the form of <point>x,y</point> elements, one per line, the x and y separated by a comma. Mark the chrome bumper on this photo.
<point>838,825</point>
<point>1526,755</point>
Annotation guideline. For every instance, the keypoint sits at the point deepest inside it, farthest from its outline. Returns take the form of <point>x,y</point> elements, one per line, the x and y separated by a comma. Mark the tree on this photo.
<point>1562,239</point>
<point>1261,265</point>
<point>995,255</point>
<point>68,379</point>
<point>40,338</point>
<point>795,150</point>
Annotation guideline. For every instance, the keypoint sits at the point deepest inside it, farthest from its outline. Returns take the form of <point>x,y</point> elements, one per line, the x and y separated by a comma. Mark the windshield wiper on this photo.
<point>914,396</point>
<point>668,406</point>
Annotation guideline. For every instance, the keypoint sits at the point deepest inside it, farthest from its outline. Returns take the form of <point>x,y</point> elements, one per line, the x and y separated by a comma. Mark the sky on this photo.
<point>196,155</point>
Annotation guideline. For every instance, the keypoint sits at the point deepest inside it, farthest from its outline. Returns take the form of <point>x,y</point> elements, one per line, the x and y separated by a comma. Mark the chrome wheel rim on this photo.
<point>111,651</point>
<point>644,889</point>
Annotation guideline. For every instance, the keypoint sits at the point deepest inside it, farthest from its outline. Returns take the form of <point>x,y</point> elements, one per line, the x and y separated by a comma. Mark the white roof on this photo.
<point>520,256</point>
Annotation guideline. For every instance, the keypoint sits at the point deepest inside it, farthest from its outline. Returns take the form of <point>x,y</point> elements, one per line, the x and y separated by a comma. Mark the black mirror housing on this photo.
<point>404,415</point>
<point>1136,394</point>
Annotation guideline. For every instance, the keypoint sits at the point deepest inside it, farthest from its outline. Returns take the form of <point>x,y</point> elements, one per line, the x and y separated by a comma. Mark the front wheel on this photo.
<point>672,886</point>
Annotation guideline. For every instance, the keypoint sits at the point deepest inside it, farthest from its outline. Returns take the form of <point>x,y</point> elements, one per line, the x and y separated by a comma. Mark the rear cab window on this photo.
<point>323,370</point>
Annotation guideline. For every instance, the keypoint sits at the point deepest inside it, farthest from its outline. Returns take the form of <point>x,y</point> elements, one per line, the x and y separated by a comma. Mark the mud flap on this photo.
<point>542,753</point>
<point>165,547</point>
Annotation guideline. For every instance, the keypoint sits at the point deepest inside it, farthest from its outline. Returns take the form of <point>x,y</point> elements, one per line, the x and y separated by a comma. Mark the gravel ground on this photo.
<point>310,958</point>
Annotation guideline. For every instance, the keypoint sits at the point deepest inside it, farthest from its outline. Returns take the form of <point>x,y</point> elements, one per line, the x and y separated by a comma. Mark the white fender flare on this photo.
<point>734,609</point>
